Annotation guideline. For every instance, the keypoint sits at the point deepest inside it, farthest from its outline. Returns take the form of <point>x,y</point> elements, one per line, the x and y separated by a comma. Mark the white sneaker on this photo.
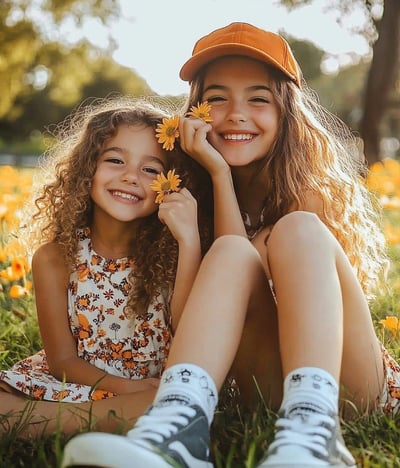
<point>307,441</point>
<point>165,436</point>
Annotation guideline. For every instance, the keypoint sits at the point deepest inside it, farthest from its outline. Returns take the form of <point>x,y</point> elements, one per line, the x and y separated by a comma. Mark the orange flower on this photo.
<point>18,268</point>
<point>164,185</point>
<point>201,111</point>
<point>392,324</point>
<point>18,291</point>
<point>167,132</point>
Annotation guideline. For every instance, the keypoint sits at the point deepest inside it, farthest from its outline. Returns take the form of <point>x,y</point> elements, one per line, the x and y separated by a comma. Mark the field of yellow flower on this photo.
<point>15,190</point>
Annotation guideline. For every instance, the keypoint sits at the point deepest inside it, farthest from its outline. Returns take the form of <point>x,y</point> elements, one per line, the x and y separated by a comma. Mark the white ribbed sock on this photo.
<point>188,384</point>
<point>310,389</point>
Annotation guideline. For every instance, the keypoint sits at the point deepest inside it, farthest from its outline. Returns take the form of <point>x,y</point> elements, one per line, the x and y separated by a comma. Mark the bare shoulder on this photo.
<point>47,253</point>
<point>48,258</point>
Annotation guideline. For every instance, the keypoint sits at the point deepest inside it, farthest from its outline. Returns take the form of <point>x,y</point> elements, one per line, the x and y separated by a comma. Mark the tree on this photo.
<point>42,79</point>
<point>74,75</point>
<point>381,78</point>
<point>21,40</point>
<point>382,29</point>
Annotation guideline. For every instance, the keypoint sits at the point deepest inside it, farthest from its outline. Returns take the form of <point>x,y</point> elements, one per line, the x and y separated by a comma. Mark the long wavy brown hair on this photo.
<point>63,203</point>
<point>315,152</point>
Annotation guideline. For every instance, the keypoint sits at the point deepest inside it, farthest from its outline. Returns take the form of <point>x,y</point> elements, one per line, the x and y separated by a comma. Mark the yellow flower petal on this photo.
<point>160,198</point>
<point>164,185</point>
<point>173,180</point>
<point>167,132</point>
<point>201,111</point>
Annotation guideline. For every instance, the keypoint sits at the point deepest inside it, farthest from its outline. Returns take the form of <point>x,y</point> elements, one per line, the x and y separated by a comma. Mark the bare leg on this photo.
<point>324,319</point>
<point>211,326</point>
<point>257,366</point>
<point>33,419</point>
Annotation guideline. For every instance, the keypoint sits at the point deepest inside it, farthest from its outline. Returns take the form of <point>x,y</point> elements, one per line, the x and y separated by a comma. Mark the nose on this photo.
<point>130,176</point>
<point>236,113</point>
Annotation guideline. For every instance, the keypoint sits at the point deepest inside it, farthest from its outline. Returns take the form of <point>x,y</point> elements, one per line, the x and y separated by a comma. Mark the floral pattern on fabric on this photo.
<point>131,348</point>
<point>389,400</point>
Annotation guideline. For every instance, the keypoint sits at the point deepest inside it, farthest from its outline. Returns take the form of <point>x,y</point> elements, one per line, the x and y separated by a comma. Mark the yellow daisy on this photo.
<point>201,111</point>
<point>167,132</point>
<point>164,185</point>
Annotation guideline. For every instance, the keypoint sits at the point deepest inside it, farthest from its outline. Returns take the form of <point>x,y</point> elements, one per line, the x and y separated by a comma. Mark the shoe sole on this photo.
<point>112,451</point>
<point>296,465</point>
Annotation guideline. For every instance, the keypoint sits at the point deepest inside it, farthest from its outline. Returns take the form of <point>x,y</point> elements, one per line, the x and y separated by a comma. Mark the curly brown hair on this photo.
<point>63,202</point>
<point>315,152</point>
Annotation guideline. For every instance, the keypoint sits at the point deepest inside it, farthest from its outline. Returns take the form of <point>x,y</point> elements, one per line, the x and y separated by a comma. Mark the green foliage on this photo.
<point>74,76</point>
<point>19,33</point>
<point>309,56</point>
<point>14,59</point>
<point>19,332</point>
<point>42,87</point>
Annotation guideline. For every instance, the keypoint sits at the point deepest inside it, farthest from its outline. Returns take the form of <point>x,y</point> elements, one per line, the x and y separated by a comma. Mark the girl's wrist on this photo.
<point>190,242</point>
<point>222,172</point>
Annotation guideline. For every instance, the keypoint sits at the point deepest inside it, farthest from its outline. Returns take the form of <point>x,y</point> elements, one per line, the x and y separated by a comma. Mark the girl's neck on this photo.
<point>112,241</point>
<point>250,192</point>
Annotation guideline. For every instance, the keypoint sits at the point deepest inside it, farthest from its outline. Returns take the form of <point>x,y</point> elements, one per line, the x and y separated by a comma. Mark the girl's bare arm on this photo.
<point>51,278</point>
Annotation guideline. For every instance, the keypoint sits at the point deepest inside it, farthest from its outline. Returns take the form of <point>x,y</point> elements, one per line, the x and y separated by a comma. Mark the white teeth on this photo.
<point>235,136</point>
<point>127,196</point>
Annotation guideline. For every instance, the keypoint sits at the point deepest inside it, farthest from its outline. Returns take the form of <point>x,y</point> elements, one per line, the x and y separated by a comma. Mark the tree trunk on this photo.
<point>381,79</point>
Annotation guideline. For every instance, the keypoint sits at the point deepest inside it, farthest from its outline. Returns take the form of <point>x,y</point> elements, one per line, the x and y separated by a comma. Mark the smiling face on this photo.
<point>127,165</point>
<point>244,111</point>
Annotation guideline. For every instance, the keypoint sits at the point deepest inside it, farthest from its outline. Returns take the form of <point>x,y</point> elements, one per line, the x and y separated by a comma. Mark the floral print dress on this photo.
<point>131,348</point>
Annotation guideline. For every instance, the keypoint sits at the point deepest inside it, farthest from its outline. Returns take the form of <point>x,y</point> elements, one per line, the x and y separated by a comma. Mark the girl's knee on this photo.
<point>231,243</point>
<point>235,249</point>
<point>297,229</point>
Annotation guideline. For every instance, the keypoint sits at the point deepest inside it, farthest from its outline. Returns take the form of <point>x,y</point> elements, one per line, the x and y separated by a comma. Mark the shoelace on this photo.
<point>162,423</point>
<point>311,434</point>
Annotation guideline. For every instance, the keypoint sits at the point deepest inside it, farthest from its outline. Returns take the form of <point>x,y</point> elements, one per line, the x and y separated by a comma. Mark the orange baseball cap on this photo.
<point>243,39</point>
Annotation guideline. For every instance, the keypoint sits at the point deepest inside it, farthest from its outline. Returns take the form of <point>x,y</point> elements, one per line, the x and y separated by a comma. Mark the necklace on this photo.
<point>253,229</point>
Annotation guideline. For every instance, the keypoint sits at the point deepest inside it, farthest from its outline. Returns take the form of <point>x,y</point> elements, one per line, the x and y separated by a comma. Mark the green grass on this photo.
<point>239,438</point>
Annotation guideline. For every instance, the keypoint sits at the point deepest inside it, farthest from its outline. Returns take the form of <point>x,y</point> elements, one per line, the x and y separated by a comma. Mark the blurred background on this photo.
<point>54,54</point>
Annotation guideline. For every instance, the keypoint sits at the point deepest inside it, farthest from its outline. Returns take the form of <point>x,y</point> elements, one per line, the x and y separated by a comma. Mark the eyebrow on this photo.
<point>250,88</point>
<point>117,149</point>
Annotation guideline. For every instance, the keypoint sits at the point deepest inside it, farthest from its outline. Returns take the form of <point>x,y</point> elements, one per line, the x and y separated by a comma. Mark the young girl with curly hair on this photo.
<point>290,309</point>
<point>112,269</point>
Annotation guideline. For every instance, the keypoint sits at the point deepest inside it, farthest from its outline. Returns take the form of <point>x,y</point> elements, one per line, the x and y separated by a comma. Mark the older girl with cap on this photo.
<point>290,311</point>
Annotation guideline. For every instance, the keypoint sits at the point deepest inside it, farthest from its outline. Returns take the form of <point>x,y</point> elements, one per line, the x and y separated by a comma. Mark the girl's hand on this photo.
<point>139,385</point>
<point>179,212</point>
<point>193,140</point>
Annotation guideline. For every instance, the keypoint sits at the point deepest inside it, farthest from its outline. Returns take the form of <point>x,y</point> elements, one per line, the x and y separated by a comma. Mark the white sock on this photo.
<point>310,389</point>
<point>188,384</point>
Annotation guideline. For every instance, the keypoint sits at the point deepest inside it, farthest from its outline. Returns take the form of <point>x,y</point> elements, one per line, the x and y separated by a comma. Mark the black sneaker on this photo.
<point>165,436</point>
<point>308,440</point>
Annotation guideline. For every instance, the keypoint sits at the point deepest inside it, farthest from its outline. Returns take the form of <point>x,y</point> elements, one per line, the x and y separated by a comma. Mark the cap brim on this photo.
<point>199,60</point>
